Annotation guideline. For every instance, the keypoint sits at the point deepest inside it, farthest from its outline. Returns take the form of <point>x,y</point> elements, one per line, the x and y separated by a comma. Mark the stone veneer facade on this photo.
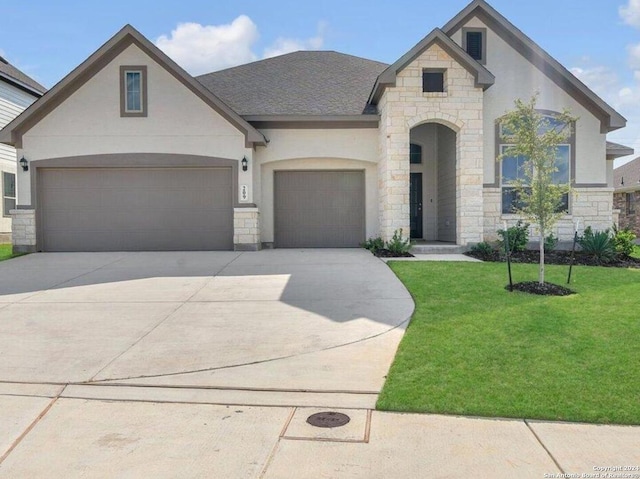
<point>628,219</point>
<point>590,206</point>
<point>24,231</point>
<point>246,229</point>
<point>405,106</point>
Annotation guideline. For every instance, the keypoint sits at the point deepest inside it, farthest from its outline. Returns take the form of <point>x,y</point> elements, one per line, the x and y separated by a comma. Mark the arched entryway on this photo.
<point>433,157</point>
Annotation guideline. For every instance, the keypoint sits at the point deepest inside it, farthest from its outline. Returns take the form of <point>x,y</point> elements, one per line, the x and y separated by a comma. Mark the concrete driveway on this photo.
<point>207,365</point>
<point>321,321</point>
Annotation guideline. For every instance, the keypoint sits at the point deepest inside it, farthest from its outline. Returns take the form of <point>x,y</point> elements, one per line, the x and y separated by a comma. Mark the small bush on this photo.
<point>518,236</point>
<point>623,241</point>
<point>550,243</point>
<point>398,245</point>
<point>373,244</point>
<point>598,244</point>
<point>483,248</point>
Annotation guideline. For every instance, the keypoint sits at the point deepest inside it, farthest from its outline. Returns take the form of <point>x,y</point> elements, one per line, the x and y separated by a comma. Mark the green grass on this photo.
<point>7,253</point>
<point>473,348</point>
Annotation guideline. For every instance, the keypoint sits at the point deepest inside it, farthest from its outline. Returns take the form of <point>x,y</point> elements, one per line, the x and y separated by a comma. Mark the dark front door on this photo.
<point>415,205</point>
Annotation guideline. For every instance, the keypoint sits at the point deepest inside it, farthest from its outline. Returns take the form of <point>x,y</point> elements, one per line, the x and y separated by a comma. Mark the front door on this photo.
<point>415,205</point>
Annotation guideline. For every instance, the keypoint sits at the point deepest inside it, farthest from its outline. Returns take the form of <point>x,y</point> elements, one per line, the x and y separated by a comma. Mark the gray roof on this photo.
<point>300,83</point>
<point>616,150</point>
<point>19,79</point>
<point>630,173</point>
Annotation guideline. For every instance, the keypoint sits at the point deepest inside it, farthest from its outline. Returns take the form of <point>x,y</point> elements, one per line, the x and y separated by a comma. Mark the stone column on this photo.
<point>24,230</point>
<point>246,229</point>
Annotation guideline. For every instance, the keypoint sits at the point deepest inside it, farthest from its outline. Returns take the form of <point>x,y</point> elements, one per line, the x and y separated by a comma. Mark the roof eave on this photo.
<point>109,50</point>
<point>21,85</point>
<point>610,118</point>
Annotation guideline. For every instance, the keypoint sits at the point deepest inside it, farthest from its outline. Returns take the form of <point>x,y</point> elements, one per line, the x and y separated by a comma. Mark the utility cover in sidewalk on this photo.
<point>328,419</point>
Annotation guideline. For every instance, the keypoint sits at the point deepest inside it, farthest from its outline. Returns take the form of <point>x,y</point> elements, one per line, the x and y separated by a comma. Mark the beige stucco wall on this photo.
<point>516,78</point>
<point>89,122</point>
<point>313,149</point>
<point>371,188</point>
<point>405,106</point>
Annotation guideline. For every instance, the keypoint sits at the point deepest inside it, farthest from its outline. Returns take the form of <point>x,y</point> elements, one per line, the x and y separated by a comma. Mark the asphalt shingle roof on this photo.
<point>300,83</point>
<point>631,174</point>
<point>7,69</point>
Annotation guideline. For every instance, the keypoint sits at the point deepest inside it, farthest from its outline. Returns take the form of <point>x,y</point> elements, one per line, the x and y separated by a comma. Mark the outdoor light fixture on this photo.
<point>24,163</point>
<point>245,164</point>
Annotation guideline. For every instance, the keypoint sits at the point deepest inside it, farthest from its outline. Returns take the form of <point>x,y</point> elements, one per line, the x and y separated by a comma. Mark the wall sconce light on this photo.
<point>245,164</point>
<point>24,163</point>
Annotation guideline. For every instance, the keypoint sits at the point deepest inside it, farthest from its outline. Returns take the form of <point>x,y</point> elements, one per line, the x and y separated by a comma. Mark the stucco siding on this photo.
<point>517,78</point>
<point>88,122</point>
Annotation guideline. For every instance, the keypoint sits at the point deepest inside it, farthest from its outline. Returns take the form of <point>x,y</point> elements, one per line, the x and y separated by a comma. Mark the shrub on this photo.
<point>483,248</point>
<point>623,241</point>
<point>598,244</point>
<point>373,244</point>
<point>518,236</point>
<point>550,242</point>
<point>398,245</point>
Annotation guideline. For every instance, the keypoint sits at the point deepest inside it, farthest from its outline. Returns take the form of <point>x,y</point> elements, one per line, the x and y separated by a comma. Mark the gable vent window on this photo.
<point>475,43</point>
<point>433,81</point>
<point>133,91</point>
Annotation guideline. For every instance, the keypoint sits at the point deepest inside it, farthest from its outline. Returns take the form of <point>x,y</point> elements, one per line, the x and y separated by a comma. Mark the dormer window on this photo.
<point>133,91</point>
<point>474,42</point>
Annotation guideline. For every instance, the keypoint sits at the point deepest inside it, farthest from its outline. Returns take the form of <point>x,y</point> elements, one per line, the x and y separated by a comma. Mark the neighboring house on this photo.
<point>310,149</point>
<point>626,180</point>
<point>17,92</point>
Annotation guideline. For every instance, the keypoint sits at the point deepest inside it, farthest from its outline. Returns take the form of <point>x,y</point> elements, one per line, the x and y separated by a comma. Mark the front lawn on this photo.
<point>473,348</point>
<point>6,252</point>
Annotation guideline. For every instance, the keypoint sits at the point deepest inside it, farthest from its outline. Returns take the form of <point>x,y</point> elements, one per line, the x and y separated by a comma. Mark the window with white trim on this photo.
<point>512,171</point>
<point>8,193</point>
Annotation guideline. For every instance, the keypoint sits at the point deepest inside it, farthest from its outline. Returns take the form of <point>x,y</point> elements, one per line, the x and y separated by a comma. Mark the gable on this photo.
<point>127,38</point>
<point>536,56</point>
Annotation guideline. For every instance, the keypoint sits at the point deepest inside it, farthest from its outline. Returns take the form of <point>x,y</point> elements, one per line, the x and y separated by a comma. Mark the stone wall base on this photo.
<point>246,229</point>
<point>23,227</point>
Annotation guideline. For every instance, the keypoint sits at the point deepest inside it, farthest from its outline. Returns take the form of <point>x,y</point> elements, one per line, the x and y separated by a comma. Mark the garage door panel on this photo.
<point>319,209</point>
<point>115,209</point>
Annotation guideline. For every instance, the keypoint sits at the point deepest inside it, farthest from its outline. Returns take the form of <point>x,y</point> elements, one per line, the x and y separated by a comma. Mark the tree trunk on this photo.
<point>541,279</point>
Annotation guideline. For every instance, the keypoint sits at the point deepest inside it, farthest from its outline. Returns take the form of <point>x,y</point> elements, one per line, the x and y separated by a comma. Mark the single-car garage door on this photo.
<point>319,209</point>
<point>135,209</point>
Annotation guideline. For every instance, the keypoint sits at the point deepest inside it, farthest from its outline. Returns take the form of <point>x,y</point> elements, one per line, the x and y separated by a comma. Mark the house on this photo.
<point>17,92</point>
<point>626,180</point>
<point>310,149</point>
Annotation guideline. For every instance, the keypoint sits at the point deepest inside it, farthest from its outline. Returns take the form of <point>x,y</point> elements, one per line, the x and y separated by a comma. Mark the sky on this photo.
<point>598,40</point>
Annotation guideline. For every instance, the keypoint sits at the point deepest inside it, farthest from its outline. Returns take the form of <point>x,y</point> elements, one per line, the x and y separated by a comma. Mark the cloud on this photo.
<point>288,45</point>
<point>205,48</point>
<point>630,13</point>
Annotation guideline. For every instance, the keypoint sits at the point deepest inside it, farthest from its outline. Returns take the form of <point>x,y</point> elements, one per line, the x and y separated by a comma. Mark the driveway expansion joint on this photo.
<point>555,461</point>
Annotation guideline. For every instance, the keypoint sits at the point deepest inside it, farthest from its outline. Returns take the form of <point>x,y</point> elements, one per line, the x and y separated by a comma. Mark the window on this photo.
<point>133,91</point>
<point>512,170</point>
<point>433,81</point>
<point>415,154</point>
<point>474,42</point>
<point>8,193</point>
<point>631,205</point>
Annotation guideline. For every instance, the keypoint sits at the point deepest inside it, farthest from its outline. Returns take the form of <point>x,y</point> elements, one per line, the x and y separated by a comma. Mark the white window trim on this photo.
<point>4,197</point>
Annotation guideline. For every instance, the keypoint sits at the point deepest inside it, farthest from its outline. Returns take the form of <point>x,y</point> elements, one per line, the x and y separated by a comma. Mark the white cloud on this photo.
<point>630,13</point>
<point>205,48</point>
<point>288,45</point>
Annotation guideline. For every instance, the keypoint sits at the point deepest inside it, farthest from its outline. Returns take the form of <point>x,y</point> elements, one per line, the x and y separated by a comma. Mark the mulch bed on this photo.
<point>385,253</point>
<point>545,289</point>
<point>555,257</point>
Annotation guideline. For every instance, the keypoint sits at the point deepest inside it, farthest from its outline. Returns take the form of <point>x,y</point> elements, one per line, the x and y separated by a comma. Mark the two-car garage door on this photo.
<point>135,209</point>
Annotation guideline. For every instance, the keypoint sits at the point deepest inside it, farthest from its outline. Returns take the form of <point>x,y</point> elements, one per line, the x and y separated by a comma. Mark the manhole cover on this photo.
<point>328,419</point>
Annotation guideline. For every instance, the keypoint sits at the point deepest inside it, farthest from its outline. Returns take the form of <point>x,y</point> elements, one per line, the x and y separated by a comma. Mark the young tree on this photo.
<point>534,139</point>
